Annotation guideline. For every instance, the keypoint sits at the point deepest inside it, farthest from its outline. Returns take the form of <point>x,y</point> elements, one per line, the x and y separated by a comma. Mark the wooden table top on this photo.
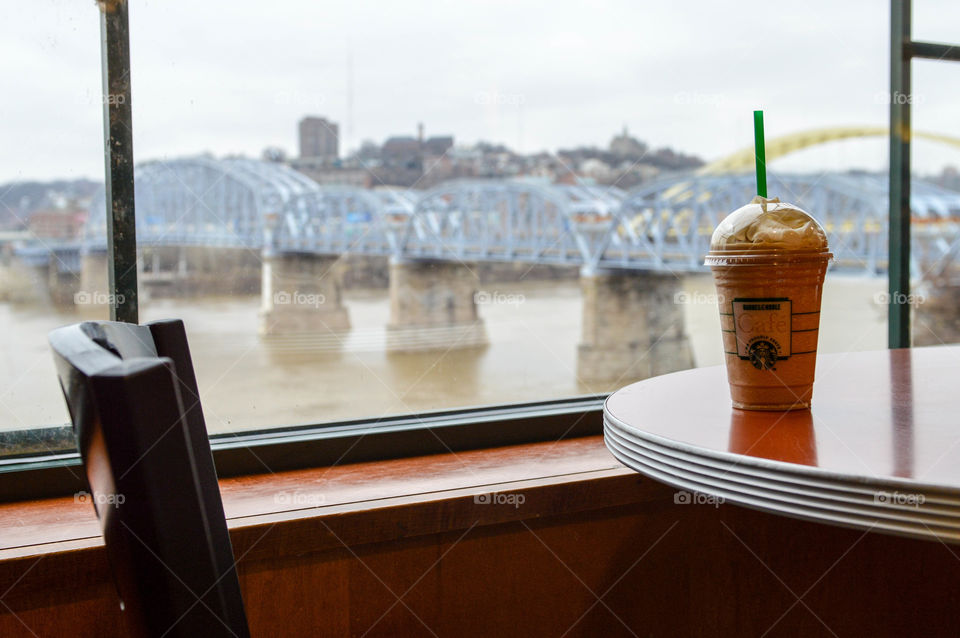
<point>880,448</point>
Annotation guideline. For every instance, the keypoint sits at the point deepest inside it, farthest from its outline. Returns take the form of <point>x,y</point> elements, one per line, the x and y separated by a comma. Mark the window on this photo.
<point>368,211</point>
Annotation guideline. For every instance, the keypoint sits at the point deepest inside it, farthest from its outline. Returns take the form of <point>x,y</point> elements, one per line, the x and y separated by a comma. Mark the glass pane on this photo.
<point>936,21</point>
<point>366,210</point>
<point>51,169</point>
<point>936,203</point>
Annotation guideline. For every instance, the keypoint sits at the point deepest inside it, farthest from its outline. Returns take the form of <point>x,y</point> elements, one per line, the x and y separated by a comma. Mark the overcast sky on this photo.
<point>235,76</point>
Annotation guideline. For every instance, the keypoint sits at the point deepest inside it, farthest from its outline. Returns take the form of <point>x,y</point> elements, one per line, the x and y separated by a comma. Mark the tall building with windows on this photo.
<point>319,139</point>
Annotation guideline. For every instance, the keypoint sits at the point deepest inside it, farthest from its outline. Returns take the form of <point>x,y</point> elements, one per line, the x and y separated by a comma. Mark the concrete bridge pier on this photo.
<point>92,299</point>
<point>302,293</point>
<point>62,284</point>
<point>20,282</point>
<point>633,326</point>
<point>186,271</point>
<point>432,307</point>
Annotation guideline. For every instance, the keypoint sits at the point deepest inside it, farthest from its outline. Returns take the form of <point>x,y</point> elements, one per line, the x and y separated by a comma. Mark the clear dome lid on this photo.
<point>769,224</point>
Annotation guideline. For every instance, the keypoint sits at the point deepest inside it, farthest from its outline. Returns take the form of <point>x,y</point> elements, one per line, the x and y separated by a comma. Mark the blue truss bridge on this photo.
<point>661,226</point>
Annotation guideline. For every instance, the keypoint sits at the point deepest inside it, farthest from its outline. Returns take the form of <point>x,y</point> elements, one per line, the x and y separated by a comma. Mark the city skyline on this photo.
<point>237,81</point>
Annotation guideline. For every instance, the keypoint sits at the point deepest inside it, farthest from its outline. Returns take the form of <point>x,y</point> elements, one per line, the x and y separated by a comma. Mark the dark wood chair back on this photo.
<point>133,400</point>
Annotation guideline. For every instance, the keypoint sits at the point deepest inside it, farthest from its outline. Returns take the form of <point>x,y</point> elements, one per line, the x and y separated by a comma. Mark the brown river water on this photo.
<point>247,381</point>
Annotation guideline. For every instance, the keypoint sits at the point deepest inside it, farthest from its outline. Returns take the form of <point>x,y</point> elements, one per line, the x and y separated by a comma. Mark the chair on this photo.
<point>133,400</point>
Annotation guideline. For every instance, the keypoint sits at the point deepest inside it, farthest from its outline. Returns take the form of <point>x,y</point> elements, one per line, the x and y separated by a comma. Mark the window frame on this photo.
<point>262,451</point>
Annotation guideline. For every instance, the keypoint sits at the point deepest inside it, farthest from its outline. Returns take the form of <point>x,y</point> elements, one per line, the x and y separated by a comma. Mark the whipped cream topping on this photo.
<point>769,223</point>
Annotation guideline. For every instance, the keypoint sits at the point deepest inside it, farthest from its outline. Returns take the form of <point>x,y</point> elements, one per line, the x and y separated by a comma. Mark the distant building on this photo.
<point>438,145</point>
<point>58,223</point>
<point>625,146</point>
<point>596,169</point>
<point>407,161</point>
<point>358,177</point>
<point>369,151</point>
<point>273,154</point>
<point>319,139</point>
<point>401,151</point>
<point>949,177</point>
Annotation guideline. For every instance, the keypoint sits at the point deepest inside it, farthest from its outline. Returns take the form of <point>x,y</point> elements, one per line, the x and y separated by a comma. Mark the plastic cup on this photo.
<point>770,293</point>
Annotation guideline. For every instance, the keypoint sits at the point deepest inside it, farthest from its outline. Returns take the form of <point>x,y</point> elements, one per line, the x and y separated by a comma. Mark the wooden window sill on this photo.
<point>273,516</point>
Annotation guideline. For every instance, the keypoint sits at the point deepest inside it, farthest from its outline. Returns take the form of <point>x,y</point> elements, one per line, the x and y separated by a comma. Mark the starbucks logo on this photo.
<point>763,354</point>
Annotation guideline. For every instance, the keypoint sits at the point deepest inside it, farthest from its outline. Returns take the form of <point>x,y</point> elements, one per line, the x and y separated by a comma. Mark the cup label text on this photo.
<point>762,327</point>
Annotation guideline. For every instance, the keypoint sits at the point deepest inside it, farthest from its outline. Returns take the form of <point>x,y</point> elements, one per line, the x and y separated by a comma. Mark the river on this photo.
<point>250,382</point>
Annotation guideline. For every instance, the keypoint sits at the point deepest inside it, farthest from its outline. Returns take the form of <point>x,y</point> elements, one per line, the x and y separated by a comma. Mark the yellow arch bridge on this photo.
<point>775,148</point>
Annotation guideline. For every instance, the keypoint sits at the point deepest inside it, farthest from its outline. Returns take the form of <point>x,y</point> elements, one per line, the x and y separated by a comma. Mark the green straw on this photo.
<point>760,153</point>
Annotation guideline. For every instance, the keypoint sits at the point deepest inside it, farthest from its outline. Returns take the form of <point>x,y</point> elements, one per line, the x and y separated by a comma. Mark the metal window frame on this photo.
<point>118,160</point>
<point>59,472</point>
<point>902,51</point>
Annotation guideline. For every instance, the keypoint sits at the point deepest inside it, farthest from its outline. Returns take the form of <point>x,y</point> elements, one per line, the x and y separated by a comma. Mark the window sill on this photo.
<point>299,512</point>
<point>25,477</point>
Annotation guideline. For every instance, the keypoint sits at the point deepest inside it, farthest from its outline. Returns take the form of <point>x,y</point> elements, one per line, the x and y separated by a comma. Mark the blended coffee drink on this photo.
<point>768,260</point>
